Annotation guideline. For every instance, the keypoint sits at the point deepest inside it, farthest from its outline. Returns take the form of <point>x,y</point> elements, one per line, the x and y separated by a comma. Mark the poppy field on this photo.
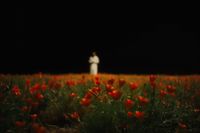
<point>106,103</point>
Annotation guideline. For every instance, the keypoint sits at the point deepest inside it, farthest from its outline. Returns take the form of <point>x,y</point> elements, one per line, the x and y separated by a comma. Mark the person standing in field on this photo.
<point>94,61</point>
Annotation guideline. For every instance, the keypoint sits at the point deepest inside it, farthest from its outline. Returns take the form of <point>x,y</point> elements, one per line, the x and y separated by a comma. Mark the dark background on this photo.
<point>60,41</point>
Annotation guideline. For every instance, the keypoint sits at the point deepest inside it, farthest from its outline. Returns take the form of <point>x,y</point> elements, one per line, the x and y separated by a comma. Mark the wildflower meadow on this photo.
<point>105,103</point>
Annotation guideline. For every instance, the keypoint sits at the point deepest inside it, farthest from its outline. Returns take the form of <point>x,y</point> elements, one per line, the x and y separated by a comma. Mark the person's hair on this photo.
<point>94,53</point>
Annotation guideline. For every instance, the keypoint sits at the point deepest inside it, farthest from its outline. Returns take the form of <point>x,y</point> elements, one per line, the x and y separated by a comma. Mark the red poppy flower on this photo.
<point>109,88</point>
<point>121,82</point>
<point>72,95</point>
<point>51,83</point>
<point>152,78</point>
<point>130,114</point>
<point>57,85</point>
<point>139,114</point>
<point>143,100</point>
<point>35,126</point>
<point>97,82</point>
<point>163,93</point>
<point>111,81</point>
<point>196,110</point>
<point>96,77</point>
<point>115,94</point>
<point>88,95</point>
<point>28,82</point>
<point>20,123</point>
<point>39,96</point>
<point>70,83</point>
<point>133,86</point>
<point>54,84</point>
<point>65,116</point>
<point>74,115</point>
<point>153,85</point>
<point>171,89</point>
<point>129,103</point>
<point>33,116</point>
<point>172,94</point>
<point>182,125</point>
<point>85,102</point>
<point>44,87</point>
<point>41,129</point>
<point>24,108</point>
<point>16,91</point>
<point>96,90</point>
<point>34,88</point>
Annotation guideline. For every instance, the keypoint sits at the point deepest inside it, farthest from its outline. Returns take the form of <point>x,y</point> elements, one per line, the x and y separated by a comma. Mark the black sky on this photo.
<point>58,41</point>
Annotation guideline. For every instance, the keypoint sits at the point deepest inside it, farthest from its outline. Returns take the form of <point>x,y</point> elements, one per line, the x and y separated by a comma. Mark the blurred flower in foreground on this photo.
<point>130,114</point>
<point>143,100</point>
<point>74,115</point>
<point>85,101</point>
<point>139,114</point>
<point>133,86</point>
<point>128,103</point>
<point>182,125</point>
<point>115,94</point>
<point>16,91</point>
<point>121,82</point>
<point>20,123</point>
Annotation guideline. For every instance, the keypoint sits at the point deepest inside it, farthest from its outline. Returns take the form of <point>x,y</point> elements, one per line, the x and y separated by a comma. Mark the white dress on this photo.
<point>94,60</point>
